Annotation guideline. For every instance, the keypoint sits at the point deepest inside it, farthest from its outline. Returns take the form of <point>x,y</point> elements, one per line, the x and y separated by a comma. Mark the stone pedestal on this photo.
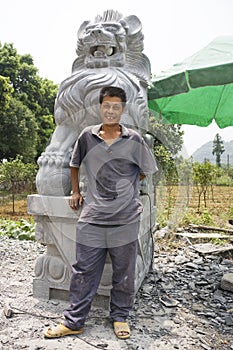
<point>56,228</point>
<point>77,106</point>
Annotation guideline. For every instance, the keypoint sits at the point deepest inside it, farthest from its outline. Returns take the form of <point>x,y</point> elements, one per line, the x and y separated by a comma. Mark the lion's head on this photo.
<point>109,53</point>
<point>111,40</point>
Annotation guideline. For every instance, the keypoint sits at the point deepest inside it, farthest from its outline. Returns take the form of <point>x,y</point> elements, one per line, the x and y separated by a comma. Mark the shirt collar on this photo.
<point>96,128</point>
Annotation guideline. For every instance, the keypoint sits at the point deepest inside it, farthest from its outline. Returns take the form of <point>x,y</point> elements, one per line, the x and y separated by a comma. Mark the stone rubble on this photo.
<point>181,304</point>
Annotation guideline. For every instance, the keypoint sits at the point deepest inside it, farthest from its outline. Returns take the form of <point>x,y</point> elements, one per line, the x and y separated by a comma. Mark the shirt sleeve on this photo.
<point>79,152</point>
<point>146,159</point>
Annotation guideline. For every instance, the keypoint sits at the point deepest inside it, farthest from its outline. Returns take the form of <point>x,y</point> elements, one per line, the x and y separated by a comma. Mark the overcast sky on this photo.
<point>173,30</point>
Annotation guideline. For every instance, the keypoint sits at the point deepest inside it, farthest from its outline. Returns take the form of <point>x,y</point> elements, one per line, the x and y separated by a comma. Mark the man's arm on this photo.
<point>76,199</point>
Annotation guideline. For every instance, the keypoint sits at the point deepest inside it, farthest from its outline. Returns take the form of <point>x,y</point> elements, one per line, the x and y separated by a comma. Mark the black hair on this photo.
<point>113,91</point>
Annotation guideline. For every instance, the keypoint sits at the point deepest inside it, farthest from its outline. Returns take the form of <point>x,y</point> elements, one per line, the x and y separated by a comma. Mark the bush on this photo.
<point>22,229</point>
<point>224,180</point>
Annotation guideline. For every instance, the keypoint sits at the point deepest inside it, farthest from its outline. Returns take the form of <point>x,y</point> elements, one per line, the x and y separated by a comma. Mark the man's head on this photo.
<point>113,91</point>
<point>112,102</point>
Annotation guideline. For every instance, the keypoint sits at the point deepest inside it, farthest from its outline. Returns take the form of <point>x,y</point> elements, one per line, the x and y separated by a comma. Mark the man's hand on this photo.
<point>75,201</point>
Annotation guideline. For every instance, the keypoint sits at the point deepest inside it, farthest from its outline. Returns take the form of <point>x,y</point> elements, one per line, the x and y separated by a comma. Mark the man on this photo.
<point>116,159</point>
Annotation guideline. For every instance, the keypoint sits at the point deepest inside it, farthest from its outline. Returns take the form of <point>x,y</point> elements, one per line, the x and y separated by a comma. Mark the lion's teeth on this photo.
<point>99,54</point>
<point>109,51</point>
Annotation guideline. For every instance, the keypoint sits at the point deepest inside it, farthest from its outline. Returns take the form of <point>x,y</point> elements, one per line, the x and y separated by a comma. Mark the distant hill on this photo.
<point>205,152</point>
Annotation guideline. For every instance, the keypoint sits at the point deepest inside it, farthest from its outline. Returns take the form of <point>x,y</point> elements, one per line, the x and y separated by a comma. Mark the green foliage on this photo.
<point>219,241</point>
<point>202,218</point>
<point>162,219</point>
<point>231,213</point>
<point>22,229</point>
<point>170,136</point>
<point>218,149</point>
<point>46,97</point>
<point>9,62</point>
<point>203,177</point>
<point>16,175</point>
<point>203,173</point>
<point>230,172</point>
<point>27,91</point>
<point>5,92</point>
<point>166,164</point>
<point>206,217</point>
<point>18,132</point>
<point>45,130</point>
<point>223,180</point>
<point>168,142</point>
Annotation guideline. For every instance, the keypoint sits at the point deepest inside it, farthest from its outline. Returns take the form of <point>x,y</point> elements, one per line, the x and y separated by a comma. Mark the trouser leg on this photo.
<point>123,280</point>
<point>87,272</point>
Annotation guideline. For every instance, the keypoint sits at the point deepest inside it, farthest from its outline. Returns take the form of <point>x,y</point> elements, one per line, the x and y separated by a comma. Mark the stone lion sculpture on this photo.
<point>109,52</point>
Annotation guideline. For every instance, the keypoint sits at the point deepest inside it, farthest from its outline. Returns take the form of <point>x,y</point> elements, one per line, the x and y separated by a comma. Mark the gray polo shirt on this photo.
<point>113,175</point>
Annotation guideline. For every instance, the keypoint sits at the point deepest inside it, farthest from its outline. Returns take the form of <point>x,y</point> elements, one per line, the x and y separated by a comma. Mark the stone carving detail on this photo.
<point>51,267</point>
<point>109,52</point>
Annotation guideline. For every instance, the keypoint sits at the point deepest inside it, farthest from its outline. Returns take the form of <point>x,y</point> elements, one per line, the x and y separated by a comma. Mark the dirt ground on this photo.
<point>152,326</point>
<point>180,205</point>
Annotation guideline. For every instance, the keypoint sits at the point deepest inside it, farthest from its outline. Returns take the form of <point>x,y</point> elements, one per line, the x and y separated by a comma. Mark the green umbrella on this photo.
<point>199,89</point>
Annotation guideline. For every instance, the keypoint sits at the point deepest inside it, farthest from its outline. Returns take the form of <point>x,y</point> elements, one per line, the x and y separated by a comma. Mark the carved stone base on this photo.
<point>56,227</point>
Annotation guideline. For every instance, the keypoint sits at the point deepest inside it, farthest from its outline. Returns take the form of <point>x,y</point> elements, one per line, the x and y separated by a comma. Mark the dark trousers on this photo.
<point>87,272</point>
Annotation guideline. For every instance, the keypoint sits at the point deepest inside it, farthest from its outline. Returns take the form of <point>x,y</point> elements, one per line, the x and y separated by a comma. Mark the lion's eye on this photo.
<point>89,29</point>
<point>111,28</point>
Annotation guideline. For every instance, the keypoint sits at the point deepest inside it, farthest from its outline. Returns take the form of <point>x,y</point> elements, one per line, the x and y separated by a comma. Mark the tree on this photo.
<point>203,176</point>
<point>218,149</point>
<point>170,136</point>
<point>45,119</point>
<point>35,93</point>
<point>9,62</point>
<point>168,142</point>
<point>22,74</point>
<point>18,132</point>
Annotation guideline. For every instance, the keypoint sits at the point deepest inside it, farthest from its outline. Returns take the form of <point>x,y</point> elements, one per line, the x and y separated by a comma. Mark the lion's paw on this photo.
<point>52,159</point>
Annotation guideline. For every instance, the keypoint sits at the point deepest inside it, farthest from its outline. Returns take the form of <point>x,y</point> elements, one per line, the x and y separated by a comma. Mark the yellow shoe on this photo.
<point>61,331</point>
<point>121,330</point>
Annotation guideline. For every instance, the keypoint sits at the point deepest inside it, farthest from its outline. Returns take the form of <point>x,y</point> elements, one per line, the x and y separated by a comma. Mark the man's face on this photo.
<point>111,110</point>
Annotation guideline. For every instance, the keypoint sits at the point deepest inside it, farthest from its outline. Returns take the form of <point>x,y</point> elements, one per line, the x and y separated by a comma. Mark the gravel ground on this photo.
<point>154,324</point>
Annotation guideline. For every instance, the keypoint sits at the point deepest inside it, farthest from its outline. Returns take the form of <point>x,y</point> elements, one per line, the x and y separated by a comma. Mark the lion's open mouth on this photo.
<point>102,51</point>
